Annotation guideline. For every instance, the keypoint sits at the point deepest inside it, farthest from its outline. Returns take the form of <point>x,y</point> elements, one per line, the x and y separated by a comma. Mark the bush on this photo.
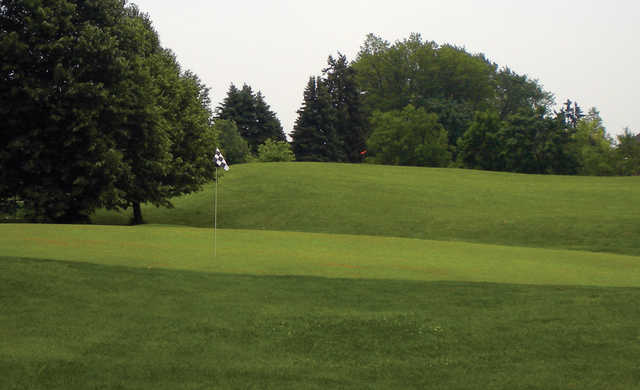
<point>234,147</point>
<point>273,151</point>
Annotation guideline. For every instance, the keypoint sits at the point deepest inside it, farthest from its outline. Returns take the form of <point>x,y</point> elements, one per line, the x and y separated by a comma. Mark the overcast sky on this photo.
<point>586,50</point>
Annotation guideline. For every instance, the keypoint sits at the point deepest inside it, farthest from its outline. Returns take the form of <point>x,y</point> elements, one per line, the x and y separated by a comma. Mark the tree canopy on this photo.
<point>98,114</point>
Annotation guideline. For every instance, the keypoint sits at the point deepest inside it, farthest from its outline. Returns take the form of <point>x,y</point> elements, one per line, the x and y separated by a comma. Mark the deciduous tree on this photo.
<point>408,137</point>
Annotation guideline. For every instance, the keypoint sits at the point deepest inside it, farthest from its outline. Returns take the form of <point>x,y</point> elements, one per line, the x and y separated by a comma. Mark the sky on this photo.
<point>586,50</point>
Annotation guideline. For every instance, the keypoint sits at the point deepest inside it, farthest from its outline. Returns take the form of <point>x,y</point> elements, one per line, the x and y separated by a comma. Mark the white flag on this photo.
<point>220,160</point>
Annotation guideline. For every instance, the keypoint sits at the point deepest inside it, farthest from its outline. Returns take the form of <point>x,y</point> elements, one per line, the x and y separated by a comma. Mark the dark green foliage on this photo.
<point>252,115</point>
<point>572,113</point>
<point>96,112</point>
<point>628,153</point>
<point>516,92</point>
<point>445,80</point>
<point>275,151</point>
<point>57,77</point>
<point>314,134</point>
<point>351,123</point>
<point>234,148</point>
<point>408,137</point>
<point>455,116</point>
<point>527,142</point>
<point>535,143</point>
<point>480,146</point>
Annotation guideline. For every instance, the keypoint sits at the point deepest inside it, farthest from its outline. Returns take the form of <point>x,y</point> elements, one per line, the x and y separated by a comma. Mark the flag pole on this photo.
<point>215,218</point>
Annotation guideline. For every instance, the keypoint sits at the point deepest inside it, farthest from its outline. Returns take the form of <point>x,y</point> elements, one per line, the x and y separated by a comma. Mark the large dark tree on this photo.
<point>314,133</point>
<point>351,123</point>
<point>58,73</point>
<point>97,113</point>
<point>253,116</point>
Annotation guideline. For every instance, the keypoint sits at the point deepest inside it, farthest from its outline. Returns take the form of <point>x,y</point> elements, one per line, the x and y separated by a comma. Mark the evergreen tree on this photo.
<point>253,116</point>
<point>351,123</point>
<point>314,134</point>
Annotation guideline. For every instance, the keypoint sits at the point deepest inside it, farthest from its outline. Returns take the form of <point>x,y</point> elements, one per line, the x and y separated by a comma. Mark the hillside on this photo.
<point>564,212</point>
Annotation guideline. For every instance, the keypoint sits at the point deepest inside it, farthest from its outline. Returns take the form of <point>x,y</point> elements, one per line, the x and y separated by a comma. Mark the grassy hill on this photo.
<point>565,212</point>
<point>335,276</point>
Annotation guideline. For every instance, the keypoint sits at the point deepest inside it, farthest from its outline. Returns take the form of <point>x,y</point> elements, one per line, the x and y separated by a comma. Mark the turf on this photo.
<point>562,212</point>
<point>315,254</point>
<point>74,325</point>
<point>335,276</point>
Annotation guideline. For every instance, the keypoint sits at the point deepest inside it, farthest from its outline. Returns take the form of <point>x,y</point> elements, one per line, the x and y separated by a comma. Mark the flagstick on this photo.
<point>215,219</point>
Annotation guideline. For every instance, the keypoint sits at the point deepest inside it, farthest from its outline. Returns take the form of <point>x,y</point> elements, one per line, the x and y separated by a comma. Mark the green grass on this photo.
<point>316,254</point>
<point>335,276</point>
<point>563,212</point>
<point>75,325</point>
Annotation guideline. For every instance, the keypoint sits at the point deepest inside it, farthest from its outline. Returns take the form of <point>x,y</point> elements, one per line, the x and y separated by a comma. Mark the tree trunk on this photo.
<point>137,214</point>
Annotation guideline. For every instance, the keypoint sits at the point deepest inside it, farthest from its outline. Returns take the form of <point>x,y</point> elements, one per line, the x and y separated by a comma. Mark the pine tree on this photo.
<point>314,134</point>
<point>253,116</point>
<point>351,123</point>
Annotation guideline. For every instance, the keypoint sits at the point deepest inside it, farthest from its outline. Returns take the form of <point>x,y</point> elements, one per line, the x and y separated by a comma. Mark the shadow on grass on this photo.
<point>79,325</point>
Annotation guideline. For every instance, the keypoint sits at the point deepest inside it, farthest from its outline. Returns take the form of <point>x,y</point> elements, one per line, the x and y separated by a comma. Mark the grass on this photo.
<point>75,325</point>
<point>561,212</point>
<point>335,276</point>
<point>316,254</point>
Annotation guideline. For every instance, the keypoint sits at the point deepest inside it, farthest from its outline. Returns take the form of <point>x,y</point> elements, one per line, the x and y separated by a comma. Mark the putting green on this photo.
<point>325,255</point>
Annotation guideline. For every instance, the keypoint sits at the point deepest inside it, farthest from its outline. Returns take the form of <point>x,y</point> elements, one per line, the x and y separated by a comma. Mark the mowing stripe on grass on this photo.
<point>313,254</point>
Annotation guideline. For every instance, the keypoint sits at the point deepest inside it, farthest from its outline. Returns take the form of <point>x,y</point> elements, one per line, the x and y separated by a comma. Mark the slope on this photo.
<point>564,212</point>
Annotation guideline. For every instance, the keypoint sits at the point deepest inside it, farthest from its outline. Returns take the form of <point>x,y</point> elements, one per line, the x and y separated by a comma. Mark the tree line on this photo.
<point>418,103</point>
<point>97,114</point>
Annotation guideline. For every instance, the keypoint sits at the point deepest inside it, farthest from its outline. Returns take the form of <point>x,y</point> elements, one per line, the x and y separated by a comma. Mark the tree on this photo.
<point>253,116</point>
<point>480,146</point>
<point>275,151</point>
<point>234,148</point>
<point>593,146</point>
<point>533,142</point>
<point>314,134</point>
<point>445,80</point>
<point>350,121</point>
<point>59,69</point>
<point>98,113</point>
<point>267,121</point>
<point>515,93</point>
<point>408,137</point>
<point>628,153</point>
